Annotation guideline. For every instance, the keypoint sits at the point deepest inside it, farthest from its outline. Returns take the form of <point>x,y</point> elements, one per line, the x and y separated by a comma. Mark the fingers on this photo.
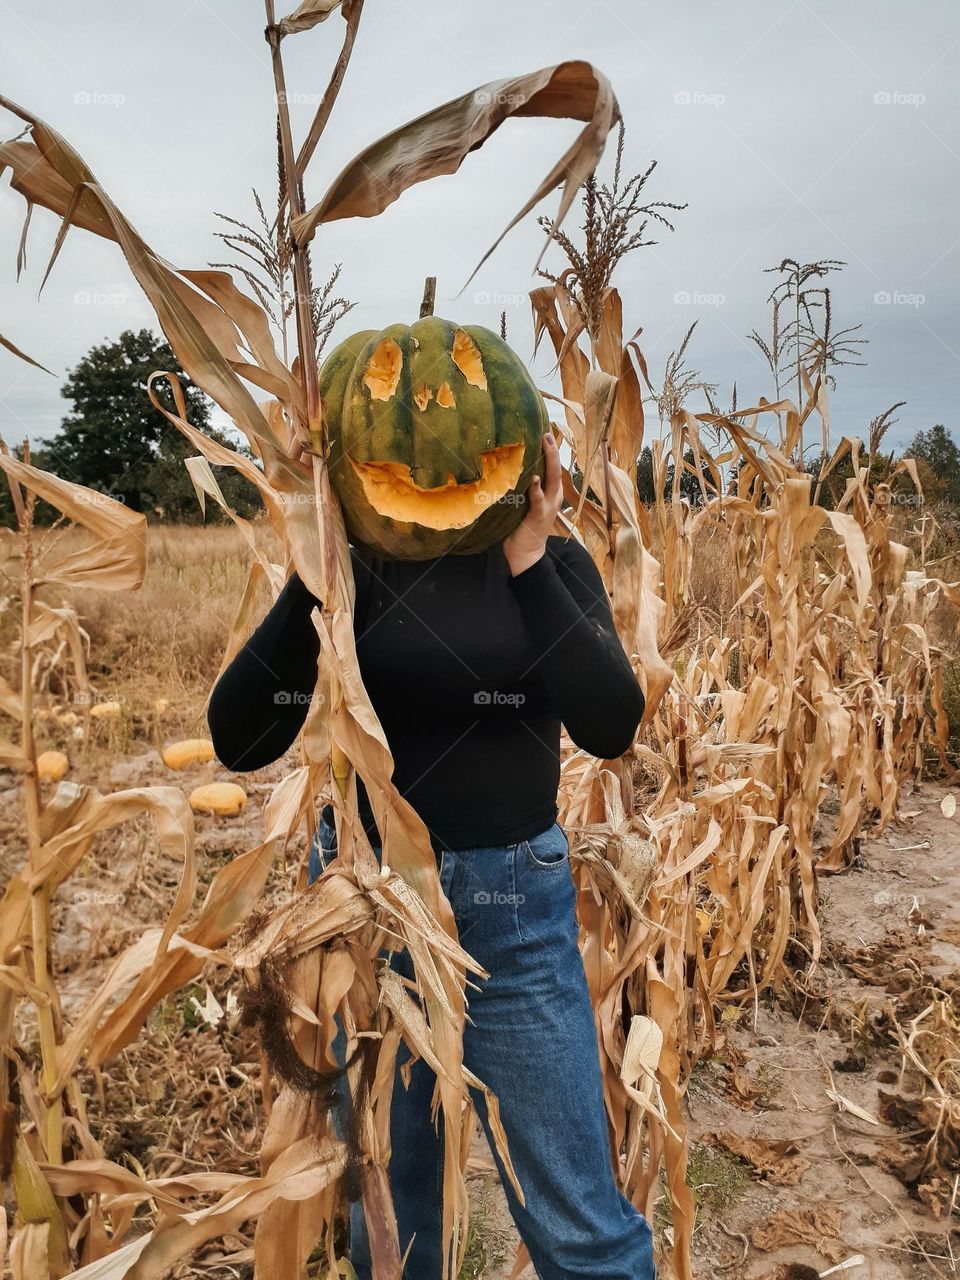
<point>535,499</point>
<point>544,497</point>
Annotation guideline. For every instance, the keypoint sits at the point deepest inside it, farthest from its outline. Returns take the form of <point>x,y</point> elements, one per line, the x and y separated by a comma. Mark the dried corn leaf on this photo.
<point>5,342</point>
<point>40,1247</point>
<point>204,338</point>
<point>852,1108</point>
<point>438,141</point>
<point>117,561</point>
<point>306,16</point>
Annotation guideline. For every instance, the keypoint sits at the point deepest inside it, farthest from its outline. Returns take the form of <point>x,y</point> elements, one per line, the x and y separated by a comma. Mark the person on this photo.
<point>472,664</point>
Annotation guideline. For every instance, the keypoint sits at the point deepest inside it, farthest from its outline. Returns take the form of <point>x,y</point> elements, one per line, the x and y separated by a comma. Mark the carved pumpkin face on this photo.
<point>435,433</point>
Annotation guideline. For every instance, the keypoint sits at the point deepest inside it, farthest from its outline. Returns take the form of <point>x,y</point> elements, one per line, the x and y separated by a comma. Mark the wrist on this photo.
<point>518,561</point>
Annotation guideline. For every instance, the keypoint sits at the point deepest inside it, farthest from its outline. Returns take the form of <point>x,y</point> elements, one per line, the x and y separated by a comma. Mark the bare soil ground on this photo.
<point>849,1172</point>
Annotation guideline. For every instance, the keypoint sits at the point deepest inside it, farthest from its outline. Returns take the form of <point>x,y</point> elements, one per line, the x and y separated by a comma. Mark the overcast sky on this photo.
<point>804,128</point>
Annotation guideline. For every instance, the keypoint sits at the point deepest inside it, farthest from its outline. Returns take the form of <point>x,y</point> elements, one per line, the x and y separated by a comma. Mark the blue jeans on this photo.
<point>532,1041</point>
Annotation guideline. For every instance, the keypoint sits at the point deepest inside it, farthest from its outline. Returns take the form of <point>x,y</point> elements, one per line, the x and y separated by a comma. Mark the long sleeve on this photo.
<point>261,700</point>
<point>577,653</point>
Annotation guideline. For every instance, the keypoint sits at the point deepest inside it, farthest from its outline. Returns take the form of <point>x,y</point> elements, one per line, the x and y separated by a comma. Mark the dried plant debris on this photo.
<point>817,1225</point>
<point>775,1160</point>
<point>189,1096</point>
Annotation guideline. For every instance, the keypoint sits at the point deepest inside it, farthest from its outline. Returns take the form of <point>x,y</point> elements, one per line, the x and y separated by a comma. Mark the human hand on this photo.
<point>528,542</point>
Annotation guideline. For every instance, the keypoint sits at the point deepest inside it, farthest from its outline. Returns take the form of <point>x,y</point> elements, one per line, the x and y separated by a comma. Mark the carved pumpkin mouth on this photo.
<point>390,489</point>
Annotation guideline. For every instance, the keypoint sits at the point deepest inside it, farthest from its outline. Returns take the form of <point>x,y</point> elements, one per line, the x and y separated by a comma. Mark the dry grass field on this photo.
<point>166,641</point>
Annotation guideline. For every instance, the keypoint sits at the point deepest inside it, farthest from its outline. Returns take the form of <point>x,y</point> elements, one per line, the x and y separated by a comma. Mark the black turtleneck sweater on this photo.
<point>471,671</point>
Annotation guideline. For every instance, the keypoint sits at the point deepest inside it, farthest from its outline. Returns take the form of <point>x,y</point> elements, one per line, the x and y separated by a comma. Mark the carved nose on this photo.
<point>442,396</point>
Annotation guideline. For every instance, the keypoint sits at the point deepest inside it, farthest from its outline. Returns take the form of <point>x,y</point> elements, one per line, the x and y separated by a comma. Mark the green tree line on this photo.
<point>113,440</point>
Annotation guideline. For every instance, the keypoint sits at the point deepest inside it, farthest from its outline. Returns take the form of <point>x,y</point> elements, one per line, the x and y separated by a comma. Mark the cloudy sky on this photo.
<point>805,128</point>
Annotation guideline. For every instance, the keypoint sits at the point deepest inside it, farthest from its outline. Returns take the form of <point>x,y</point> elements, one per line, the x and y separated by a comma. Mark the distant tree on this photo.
<point>115,441</point>
<point>938,462</point>
<point>834,485</point>
<point>690,486</point>
<point>576,476</point>
<point>645,486</point>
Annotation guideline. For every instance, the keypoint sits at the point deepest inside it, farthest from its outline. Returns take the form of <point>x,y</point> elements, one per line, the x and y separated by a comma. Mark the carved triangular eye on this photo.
<point>383,370</point>
<point>468,360</point>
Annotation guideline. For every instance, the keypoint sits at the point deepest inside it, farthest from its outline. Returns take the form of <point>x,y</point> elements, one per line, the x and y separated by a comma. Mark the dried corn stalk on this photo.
<point>817,679</point>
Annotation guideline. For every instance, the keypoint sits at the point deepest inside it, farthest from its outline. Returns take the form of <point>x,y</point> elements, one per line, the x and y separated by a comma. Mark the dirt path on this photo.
<point>889,928</point>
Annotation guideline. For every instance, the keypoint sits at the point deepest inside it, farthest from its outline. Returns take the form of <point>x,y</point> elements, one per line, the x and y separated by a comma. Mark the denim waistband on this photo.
<point>327,816</point>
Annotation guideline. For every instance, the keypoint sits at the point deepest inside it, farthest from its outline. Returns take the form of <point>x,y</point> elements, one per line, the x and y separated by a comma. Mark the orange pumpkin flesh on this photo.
<point>391,490</point>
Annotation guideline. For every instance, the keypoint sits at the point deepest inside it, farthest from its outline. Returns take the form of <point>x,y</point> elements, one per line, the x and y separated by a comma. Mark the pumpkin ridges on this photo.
<point>525,402</point>
<point>432,361</point>
<point>509,410</point>
<point>335,372</point>
<point>387,424</point>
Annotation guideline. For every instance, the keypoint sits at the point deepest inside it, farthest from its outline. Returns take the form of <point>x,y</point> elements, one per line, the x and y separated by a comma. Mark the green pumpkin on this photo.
<point>435,431</point>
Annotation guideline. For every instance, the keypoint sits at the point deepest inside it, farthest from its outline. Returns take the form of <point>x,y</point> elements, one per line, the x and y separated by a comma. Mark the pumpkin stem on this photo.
<point>429,296</point>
